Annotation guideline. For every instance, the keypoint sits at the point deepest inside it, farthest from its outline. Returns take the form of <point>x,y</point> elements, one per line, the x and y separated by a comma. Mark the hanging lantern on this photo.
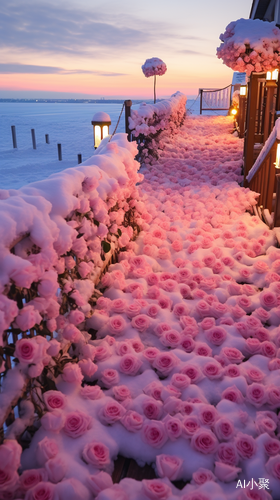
<point>101,122</point>
<point>272,75</point>
<point>243,90</point>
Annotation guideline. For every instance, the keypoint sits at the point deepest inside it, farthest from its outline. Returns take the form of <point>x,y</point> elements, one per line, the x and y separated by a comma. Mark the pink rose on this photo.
<point>265,424</point>
<point>164,363</point>
<point>99,482</point>
<point>42,491</point>
<point>76,424</point>
<point>72,374</point>
<point>54,400</point>
<point>109,377</point>
<point>56,469</point>
<point>141,322</point>
<point>207,414</point>
<point>111,412</point>
<point>204,441</point>
<point>187,343</point>
<point>256,394</point>
<point>171,338</point>
<point>155,489</point>
<point>225,472</point>
<point>76,317</point>
<point>130,364</point>
<point>116,325</point>
<point>180,380</point>
<point>268,299</point>
<point>207,323</point>
<point>91,392</point>
<point>173,427</point>
<point>245,445</point>
<point>29,478</point>
<point>154,389</point>
<point>254,375</point>
<point>53,348</point>
<point>224,429</point>
<point>97,454</point>
<point>132,421</point>
<point>273,395</point>
<point>216,335</point>
<point>227,453</point>
<point>202,309</point>
<point>193,372</point>
<point>273,466</point>
<point>169,466</point>
<point>53,421</point>
<point>233,394</point>
<point>190,425</point>
<point>88,368</point>
<point>268,349</point>
<point>213,371</point>
<point>152,408</point>
<point>202,475</point>
<point>46,449</point>
<point>27,351</point>
<point>232,371</point>
<point>121,392</point>
<point>28,317</point>
<point>153,433</point>
<point>202,349</point>
<point>272,446</point>
<point>232,355</point>
<point>118,306</point>
<point>102,352</point>
<point>71,332</point>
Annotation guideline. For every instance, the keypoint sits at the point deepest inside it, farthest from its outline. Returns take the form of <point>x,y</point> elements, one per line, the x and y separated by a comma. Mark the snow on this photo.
<point>101,117</point>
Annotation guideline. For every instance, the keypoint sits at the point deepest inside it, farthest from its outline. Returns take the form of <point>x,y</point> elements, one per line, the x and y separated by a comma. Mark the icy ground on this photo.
<point>187,344</point>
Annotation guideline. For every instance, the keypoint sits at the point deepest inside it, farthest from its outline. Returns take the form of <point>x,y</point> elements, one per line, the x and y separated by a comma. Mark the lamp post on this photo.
<point>271,85</point>
<point>242,109</point>
<point>101,122</point>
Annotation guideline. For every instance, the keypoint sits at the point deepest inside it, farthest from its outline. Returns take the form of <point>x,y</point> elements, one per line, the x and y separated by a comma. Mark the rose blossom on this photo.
<point>53,421</point>
<point>141,322</point>
<point>102,352</point>
<point>91,392</point>
<point>254,374</point>
<point>77,423</point>
<point>204,441</point>
<point>180,380</point>
<point>193,372</point>
<point>216,335</point>
<point>207,414</point>
<point>153,433</point>
<point>273,395</point>
<point>171,338</point>
<point>232,355</point>
<point>173,427</point>
<point>56,469</point>
<point>213,371</point>
<point>202,475</point>
<point>155,489</point>
<point>227,453</point>
<point>133,309</point>
<point>27,317</point>
<point>130,364</point>
<point>46,449</point>
<point>88,368</point>
<point>268,299</point>
<point>245,445</point>
<point>224,429</point>
<point>42,491</point>
<point>225,472</point>
<point>109,377</point>
<point>132,421</point>
<point>116,325</point>
<point>253,346</point>
<point>99,482</point>
<point>233,394</point>
<point>111,412</point>
<point>268,349</point>
<point>256,394</point>
<point>164,363</point>
<point>121,392</point>
<point>273,466</point>
<point>169,466</point>
<point>190,425</point>
<point>265,424</point>
<point>97,454</point>
<point>54,400</point>
<point>232,371</point>
<point>207,323</point>
<point>29,478</point>
<point>72,373</point>
<point>272,446</point>
<point>188,343</point>
<point>152,409</point>
<point>26,351</point>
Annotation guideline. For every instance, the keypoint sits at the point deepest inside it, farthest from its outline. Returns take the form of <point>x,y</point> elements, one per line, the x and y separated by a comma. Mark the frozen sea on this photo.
<point>66,123</point>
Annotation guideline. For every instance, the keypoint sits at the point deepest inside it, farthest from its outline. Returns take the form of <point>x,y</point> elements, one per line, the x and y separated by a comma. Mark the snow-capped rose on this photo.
<point>173,427</point>
<point>245,445</point>
<point>171,338</point>
<point>164,362</point>
<point>141,322</point>
<point>204,441</point>
<point>53,348</point>
<point>91,392</point>
<point>99,482</point>
<point>273,466</point>
<point>256,394</point>
<point>54,400</point>
<point>207,414</point>
<point>216,335</point>
<point>111,412</point>
<point>116,325</point>
<point>72,373</point>
<point>155,489</point>
<point>224,429</point>
<point>130,364</point>
<point>97,454</point>
<point>103,351</point>
<point>153,433</point>
<point>71,332</point>
<point>56,469</point>
<point>273,395</point>
<point>232,355</point>
<point>272,446</point>
<point>46,449</point>
<point>27,351</point>
<point>29,478</point>
<point>109,377</point>
<point>169,466</point>
<point>77,423</point>
<point>225,472</point>
<point>76,317</point>
<point>213,370</point>
<point>227,453</point>
<point>190,425</point>
<point>53,421</point>
<point>42,491</point>
<point>268,299</point>
<point>132,421</point>
<point>233,394</point>
<point>180,380</point>
<point>121,392</point>
<point>27,317</point>
<point>193,372</point>
<point>265,424</point>
<point>88,368</point>
<point>152,409</point>
<point>232,371</point>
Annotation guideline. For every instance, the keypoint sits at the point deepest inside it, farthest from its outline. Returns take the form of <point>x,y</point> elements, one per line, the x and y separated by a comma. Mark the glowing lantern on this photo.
<point>101,122</point>
<point>243,90</point>
<point>277,163</point>
<point>272,75</point>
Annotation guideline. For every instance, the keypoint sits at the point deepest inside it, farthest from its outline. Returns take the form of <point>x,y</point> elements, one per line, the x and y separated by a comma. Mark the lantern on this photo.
<point>243,90</point>
<point>101,122</point>
<point>272,75</point>
<point>277,163</point>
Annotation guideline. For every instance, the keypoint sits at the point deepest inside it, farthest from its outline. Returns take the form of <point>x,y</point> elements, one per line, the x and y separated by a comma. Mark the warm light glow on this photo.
<point>105,131</point>
<point>234,111</point>
<point>97,135</point>
<point>277,163</point>
<point>272,75</point>
<point>243,90</point>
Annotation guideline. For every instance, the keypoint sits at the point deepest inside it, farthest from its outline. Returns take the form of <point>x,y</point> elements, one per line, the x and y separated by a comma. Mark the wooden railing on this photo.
<point>264,179</point>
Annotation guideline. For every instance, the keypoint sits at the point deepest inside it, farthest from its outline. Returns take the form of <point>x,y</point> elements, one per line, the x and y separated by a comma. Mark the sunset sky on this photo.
<point>96,49</point>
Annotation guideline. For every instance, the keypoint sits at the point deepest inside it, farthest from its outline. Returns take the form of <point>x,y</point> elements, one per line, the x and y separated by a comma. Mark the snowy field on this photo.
<point>67,124</point>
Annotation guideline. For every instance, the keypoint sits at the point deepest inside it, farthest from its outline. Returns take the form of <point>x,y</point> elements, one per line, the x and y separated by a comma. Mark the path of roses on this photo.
<point>187,352</point>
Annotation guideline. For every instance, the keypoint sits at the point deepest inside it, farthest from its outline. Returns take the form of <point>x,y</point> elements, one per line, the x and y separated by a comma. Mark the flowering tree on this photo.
<point>154,67</point>
<point>250,45</point>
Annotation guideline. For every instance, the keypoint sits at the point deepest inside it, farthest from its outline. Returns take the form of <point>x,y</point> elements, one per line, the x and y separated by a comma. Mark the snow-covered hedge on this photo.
<point>250,45</point>
<point>151,122</point>
<point>55,237</point>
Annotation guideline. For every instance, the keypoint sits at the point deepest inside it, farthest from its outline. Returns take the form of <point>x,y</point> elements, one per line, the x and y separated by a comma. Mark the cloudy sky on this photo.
<point>91,48</point>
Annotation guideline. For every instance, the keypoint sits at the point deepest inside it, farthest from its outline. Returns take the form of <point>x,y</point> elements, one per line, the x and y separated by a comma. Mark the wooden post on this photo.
<point>14,136</point>
<point>270,89</point>
<point>200,92</point>
<point>127,105</point>
<point>59,152</point>
<point>79,158</point>
<point>277,203</point>
<point>33,138</point>
<point>47,138</point>
<point>242,109</point>
<point>250,125</point>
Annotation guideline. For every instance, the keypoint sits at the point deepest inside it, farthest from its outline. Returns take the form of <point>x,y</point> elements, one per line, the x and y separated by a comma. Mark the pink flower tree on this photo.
<point>154,67</point>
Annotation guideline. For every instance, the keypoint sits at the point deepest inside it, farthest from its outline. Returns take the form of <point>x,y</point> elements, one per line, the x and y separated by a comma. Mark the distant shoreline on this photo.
<point>72,101</point>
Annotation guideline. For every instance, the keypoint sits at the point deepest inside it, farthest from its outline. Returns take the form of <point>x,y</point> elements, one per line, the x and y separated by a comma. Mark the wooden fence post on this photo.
<point>79,158</point>
<point>250,125</point>
<point>33,138</point>
<point>127,104</point>
<point>200,109</point>
<point>242,116</point>
<point>14,136</point>
<point>270,90</point>
<point>59,152</point>
<point>47,138</point>
<point>277,202</point>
